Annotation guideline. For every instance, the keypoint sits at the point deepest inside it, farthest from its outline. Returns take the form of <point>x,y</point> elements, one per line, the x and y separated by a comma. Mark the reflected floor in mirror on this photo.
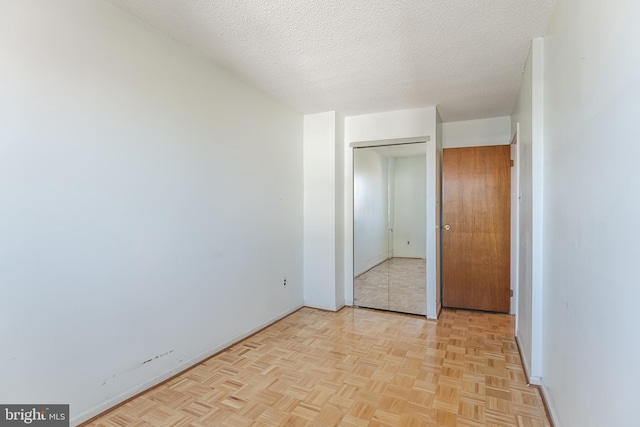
<point>398,284</point>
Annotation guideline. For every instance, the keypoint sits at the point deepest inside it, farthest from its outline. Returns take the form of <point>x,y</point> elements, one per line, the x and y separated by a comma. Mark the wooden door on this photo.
<point>475,236</point>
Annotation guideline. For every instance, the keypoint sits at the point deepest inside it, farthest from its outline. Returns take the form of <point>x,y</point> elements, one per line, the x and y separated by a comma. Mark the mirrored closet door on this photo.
<point>389,227</point>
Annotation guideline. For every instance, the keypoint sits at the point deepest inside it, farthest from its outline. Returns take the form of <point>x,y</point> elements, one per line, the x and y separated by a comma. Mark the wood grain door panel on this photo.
<point>476,248</point>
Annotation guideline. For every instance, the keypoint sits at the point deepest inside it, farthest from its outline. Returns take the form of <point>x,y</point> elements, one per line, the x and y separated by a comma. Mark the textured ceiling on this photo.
<point>364,56</point>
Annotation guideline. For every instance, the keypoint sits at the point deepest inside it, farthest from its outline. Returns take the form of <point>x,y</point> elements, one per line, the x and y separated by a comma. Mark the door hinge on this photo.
<point>510,292</point>
<point>511,163</point>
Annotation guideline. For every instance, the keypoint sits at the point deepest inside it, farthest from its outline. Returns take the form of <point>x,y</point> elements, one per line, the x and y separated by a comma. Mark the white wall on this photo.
<point>415,125</point>
<point>528,113</point>
<point>592,213</point>
<point>339,211</point>
<point>370,209</point>
<point>476,133</point>
<point>390,125</point>
<point>323,260</point>
<point>410,203</point>
<point>151,204</point>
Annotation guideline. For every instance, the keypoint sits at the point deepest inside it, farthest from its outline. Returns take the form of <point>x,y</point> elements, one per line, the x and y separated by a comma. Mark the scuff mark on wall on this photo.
<point>158,357</point>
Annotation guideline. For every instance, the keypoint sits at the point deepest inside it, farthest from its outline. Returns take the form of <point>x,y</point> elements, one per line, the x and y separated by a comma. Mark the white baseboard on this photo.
<point>436,314</point>
<point>535,380</point>
<point>348,302</point>
<point>539,383</point>
<point>525,364</point>
<point>547,401</point>
<point>97,410</point>
<point>322,306</point>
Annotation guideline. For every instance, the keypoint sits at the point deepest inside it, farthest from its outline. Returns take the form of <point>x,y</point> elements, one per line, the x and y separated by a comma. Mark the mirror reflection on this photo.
<point>389,220</point>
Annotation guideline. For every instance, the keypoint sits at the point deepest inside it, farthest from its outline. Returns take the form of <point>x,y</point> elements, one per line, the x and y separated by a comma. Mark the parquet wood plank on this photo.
<point>354,368</point>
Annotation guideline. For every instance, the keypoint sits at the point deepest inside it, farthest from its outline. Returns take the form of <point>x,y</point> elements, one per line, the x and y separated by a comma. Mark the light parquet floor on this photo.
<point>353,368</point>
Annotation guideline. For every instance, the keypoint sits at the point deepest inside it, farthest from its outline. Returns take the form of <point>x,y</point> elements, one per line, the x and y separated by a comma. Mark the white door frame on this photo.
<point>433,219</point>
<point>515,220</point>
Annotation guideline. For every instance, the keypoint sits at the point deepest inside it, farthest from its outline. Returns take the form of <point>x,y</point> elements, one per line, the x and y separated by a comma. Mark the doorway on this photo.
<point>476,228</point>
<point>390,202</point>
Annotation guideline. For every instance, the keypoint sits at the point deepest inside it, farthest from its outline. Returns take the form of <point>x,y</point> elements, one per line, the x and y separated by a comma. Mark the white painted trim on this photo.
<point>431,158</point>
<point>515,221</point>
<point>348,303</point>
<point>535,380</point>
<point>320,307</point>
<point>525,365</point>
<point>432,227</point>
<point>537,182</point>
<point>87,415</point>
<point>394,141</point>
<point>550,407</point>
<point>348,225</point>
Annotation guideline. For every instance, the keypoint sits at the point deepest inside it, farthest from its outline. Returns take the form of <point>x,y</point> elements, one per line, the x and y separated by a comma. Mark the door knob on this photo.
<point>447,227</point>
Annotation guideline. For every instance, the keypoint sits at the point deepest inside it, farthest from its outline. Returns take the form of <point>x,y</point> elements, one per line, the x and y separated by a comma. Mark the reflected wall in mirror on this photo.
<point>389,223</point>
